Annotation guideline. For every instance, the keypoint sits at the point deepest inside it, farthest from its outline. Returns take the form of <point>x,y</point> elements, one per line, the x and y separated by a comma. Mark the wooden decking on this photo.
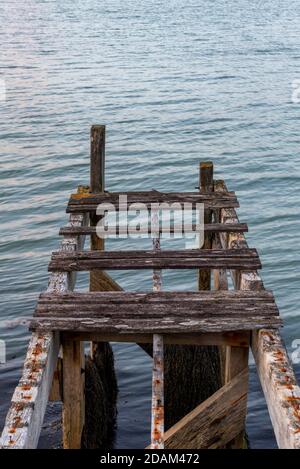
<point>241,259</point>
<point>148,200</point>
<point>234,319</point>
<point>151,313</point>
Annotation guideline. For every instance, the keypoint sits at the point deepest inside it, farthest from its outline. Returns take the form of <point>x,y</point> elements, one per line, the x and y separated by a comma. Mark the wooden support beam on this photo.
<point>215,421</point>
<point>219,275</point>
<point>56,393</point>
<point>73,401</point>
<point>125,230</point>
<point>220,282</point>
<point>236,361</point>
<point>275,371</point>
<point>235,339</point>
<point>157,408</point>
<point>25,417</point>
<point>279,385</point>
<point>73,393</point>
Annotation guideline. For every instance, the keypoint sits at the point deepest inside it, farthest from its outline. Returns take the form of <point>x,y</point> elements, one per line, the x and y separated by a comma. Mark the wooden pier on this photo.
<point>233,319</point>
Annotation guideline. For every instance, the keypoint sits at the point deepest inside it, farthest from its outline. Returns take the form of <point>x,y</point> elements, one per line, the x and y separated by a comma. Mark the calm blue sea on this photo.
<point>175,82</point>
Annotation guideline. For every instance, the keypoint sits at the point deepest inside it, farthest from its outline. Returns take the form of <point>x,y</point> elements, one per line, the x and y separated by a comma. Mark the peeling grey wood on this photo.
<point>241,259</point>
<point>156,325</point>
<point>25,417</point>
<point>279,386</point>
<point>90,202</point>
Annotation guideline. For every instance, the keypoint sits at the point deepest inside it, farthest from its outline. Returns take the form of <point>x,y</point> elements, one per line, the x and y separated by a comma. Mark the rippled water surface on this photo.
<point>175,82</point>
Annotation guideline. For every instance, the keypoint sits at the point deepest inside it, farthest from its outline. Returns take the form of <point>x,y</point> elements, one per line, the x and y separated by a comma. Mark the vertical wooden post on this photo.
<point>97,167</point>
<point>157,417</point>
<point>96,186</point>
<point>73,382</point>
<point>73,393</point>
<point>236,361</point>
<point>157,409</point>
<point>100,372</point>
<point>206,184</point>
<point>220,283</point>
<point>97,181</point>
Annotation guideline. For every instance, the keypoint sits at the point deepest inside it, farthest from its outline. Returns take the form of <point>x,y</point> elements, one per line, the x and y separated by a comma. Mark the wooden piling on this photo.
<point>157,417</point>
<point>97,181</point>
<point>73,377</point>
<point>206,184</point>
<point>97,168</point>
<point>100,365</point>
<point>73,393</point>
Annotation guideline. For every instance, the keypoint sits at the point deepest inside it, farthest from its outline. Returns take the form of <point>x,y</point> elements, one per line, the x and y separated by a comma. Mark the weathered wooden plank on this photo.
<point>90,202</point>
<point>274,368</point>
<point>155,325</point>
<point>25,417</point>
<point>185,259</point>
<point>141,254</point>
<point>279,386</point>
<point>117,312</point>
<point>125,230</point>
<point>122,297</point>
<point>168,312</point>
<point>215,421</point>
<point>24,420</point>
<point>136,310</point>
